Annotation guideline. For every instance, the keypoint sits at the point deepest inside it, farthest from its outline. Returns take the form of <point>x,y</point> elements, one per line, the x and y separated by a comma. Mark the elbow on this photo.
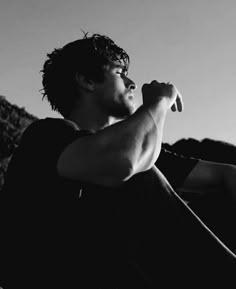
<point>121,173</point>
<point>127,172</point>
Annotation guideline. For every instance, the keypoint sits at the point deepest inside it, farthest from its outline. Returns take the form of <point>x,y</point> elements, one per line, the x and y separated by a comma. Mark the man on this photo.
<point>87,203</point>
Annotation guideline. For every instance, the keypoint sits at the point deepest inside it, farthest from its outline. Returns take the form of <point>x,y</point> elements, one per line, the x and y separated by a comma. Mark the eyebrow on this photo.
<point>118,65</point>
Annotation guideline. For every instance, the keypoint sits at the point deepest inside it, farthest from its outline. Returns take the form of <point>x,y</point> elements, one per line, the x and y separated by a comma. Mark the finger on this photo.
<point>173,107</point>
<point>144,86</point>
<point>179,103</point>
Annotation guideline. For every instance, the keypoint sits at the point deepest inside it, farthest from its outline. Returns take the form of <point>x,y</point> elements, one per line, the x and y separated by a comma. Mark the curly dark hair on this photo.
<point>88,56</point>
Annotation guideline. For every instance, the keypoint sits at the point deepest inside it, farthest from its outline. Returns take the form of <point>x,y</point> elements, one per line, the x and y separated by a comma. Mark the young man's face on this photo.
<point>115,95</point>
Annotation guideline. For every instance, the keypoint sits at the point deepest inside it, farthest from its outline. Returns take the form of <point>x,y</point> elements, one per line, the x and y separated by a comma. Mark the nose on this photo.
<point>131,84</point>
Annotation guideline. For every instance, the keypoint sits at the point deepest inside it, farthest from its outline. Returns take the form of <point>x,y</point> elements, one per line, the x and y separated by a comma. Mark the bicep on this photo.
<point>89,160</point>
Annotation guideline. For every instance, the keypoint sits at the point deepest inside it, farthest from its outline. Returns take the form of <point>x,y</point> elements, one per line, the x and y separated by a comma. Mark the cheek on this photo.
<point>113,89</point>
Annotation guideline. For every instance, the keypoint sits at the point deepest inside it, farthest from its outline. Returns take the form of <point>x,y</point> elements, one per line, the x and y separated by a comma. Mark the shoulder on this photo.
<point>53,128</point>
<point>51,123</point>
<point>49,136</point>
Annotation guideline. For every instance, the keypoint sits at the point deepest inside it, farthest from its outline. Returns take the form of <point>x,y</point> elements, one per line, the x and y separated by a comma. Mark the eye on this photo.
<point>122,72</point>
<point>125,72</point>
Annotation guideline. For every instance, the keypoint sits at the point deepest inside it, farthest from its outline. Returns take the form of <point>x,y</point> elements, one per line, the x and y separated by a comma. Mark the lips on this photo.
<point>131,96</point>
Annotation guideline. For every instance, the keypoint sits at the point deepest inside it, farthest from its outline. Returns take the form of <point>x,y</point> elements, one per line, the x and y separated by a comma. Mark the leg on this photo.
<point>218,212</point>
<point>173,238</point>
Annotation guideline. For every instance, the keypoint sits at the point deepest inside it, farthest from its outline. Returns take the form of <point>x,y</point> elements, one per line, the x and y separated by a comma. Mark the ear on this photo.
<point>84,82</point>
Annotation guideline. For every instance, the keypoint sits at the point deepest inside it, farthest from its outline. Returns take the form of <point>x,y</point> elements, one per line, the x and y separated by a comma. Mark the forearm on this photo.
<point>138,138</point>
<point>229,181</point>
<point>211,177</point>
<point>206,177</point>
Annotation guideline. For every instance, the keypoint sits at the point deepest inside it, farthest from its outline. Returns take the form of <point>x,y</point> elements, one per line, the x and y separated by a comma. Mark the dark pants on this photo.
<point>173,246</point>
<point>142,235</point>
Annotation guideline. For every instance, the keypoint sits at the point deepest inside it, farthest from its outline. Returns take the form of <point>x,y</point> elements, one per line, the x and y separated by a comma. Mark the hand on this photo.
<point>156,92</point>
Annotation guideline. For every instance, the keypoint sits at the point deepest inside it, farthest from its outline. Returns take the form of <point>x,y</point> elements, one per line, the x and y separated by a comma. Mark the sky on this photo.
<point>190,43</point>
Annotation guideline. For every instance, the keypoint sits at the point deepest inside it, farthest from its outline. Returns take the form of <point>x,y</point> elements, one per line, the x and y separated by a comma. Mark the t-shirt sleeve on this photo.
<point>175,167</point>
<point>47,138</point>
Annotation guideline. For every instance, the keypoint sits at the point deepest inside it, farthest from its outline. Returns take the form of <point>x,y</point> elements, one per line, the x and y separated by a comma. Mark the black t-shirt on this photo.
<point>33,167</point>
<point>50,224</point>
<point>44,219</point>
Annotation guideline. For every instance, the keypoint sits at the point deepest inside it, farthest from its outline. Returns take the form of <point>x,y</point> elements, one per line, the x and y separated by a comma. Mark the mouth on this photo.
<point>131,97</point>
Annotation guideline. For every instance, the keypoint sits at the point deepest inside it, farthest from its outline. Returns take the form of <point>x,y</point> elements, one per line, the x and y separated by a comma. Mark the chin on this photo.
<point>123,111</point>
<point>131,108</point>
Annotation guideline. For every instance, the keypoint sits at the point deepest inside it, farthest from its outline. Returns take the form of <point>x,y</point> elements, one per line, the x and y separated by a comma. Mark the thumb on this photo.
<point>173,107</point>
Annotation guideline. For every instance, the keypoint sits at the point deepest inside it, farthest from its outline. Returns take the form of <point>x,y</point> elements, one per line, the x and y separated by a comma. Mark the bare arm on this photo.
<point>211,177</point>
<point>116,153</point>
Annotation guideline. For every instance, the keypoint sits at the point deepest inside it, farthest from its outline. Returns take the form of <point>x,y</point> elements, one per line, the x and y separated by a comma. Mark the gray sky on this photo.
<point>189,43</point>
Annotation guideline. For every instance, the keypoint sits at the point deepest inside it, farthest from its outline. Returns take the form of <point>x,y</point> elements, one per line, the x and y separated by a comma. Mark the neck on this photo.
<point>91,119</point>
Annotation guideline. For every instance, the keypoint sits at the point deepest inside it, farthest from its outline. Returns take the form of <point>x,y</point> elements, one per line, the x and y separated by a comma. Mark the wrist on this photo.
<point>157,114</point>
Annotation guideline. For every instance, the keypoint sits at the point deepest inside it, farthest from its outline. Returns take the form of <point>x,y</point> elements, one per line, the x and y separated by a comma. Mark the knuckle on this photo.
<point>145,86</point>
<point>154,82</point>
